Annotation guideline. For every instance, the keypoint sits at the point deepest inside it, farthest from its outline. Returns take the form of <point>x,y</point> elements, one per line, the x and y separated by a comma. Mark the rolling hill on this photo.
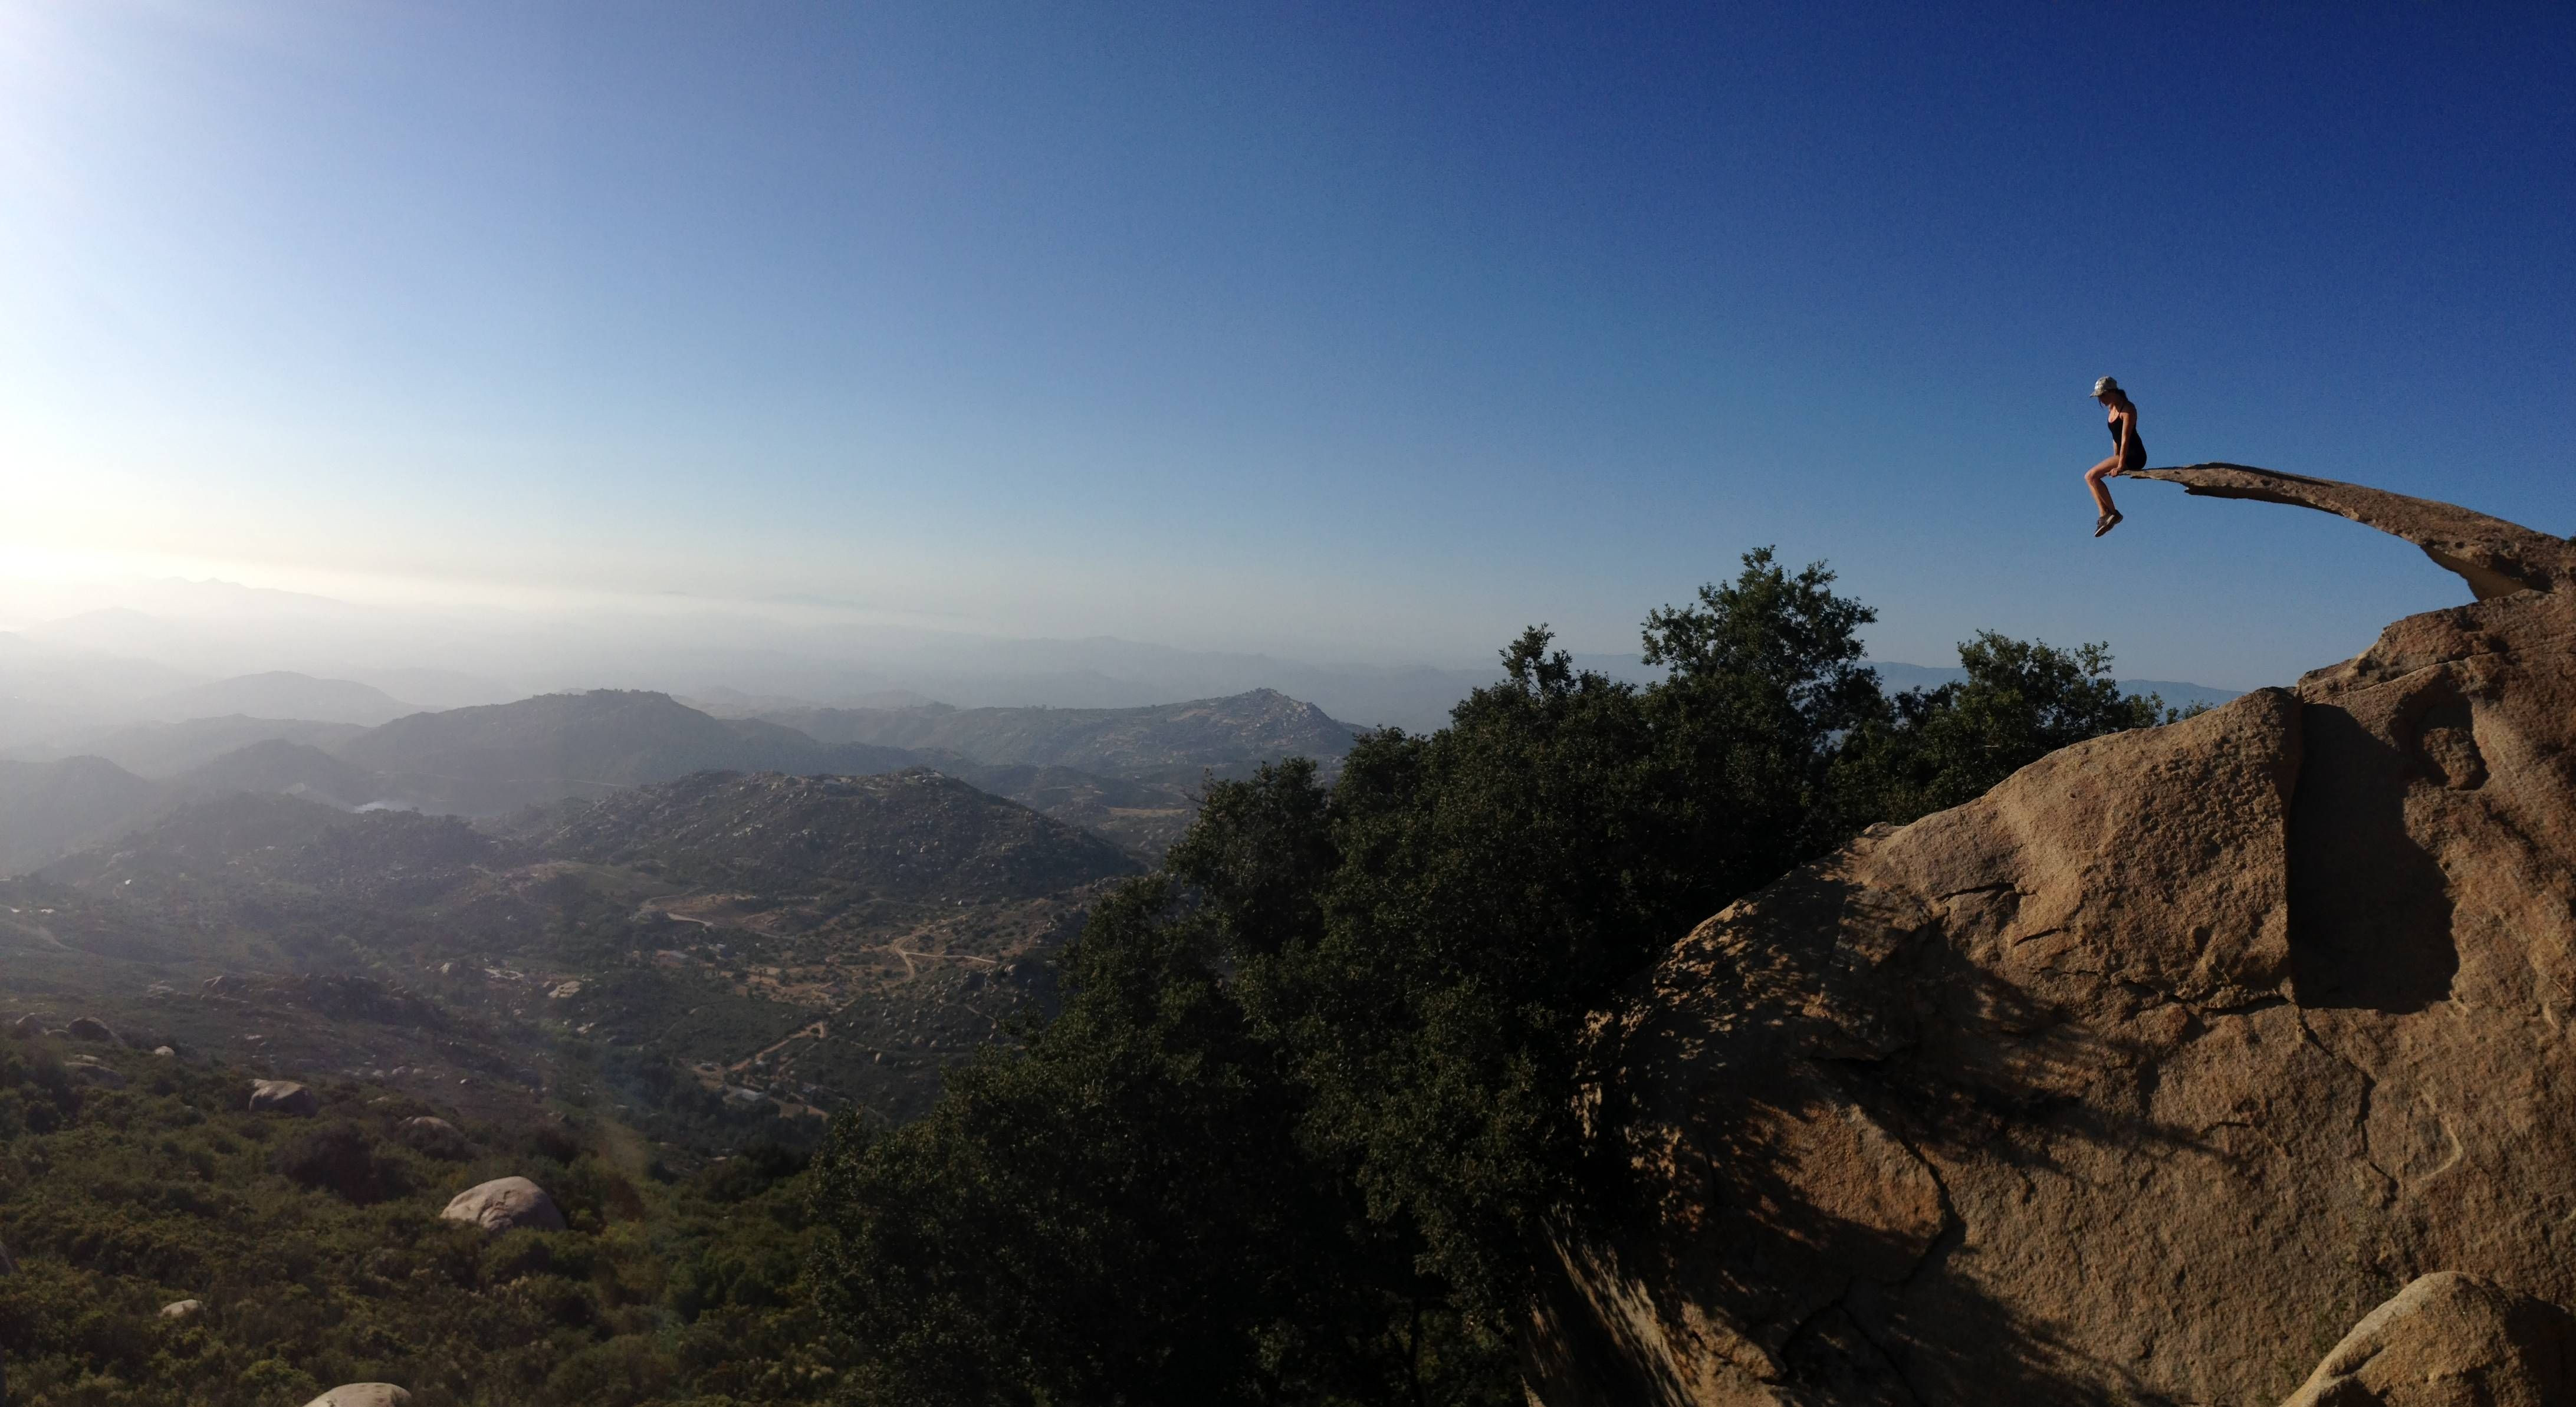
<point>48,808</point>
<point>497,758</point>
<point>912,835</point>
<point>281,694</point>
<point>277,765</point>
<point>1167,742</point>
<point>163,750</point>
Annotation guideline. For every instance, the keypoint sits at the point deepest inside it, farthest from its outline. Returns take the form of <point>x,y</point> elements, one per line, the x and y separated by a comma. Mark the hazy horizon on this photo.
<point>151,650</point>
<point>1343,336</point>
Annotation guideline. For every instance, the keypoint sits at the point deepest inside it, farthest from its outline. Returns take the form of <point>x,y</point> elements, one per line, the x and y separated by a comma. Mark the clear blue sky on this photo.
<point>1364,332</point>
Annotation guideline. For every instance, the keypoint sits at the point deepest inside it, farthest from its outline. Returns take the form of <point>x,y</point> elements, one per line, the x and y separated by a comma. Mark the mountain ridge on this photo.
<point>1162,742</point>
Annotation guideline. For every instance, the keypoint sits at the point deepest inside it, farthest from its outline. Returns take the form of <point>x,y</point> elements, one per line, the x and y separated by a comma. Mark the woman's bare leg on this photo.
<point>2093,480</point>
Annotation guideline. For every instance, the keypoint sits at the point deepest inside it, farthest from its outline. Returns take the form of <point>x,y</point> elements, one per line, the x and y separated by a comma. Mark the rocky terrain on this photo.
<point>187,1233</point>
<point>2164,1073</point>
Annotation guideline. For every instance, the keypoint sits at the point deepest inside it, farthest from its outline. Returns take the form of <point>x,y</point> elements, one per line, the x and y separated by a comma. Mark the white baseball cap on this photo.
<point>2105,386</point>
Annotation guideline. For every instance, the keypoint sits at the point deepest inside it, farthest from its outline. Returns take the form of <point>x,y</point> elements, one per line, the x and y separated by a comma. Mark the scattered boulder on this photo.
<point>283,1097</point>
<point>505,1204</point>
<point>362,1395</point>
<point>2447,1339</point>
<point>164,1052</point>
<point>27,1027</point>
<point>90,1070</point>
<point>2138,1078</point>
<point>434,1136</point>
<point>90,1028</point>
<point>182,1309</point>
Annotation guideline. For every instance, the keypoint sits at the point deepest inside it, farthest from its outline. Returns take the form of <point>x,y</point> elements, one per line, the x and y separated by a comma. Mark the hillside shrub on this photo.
<point>338,1158</point>
<point>134,1202</point>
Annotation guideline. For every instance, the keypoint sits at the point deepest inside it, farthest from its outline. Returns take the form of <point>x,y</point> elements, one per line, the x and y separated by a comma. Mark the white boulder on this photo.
<point>505,1204</point>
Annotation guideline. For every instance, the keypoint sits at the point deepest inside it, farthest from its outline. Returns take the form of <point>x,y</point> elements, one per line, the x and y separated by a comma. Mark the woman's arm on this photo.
<point>2128,431</point>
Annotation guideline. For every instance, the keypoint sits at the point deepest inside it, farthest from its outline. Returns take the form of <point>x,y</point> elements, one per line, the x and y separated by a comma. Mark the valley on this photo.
<point>700,924</point>
<point>797,945</point>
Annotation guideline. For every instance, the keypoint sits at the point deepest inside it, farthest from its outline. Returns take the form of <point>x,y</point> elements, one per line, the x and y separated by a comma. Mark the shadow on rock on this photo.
<point>2370,910</point>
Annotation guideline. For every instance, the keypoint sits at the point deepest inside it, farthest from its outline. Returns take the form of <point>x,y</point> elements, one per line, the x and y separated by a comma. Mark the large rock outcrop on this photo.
<point>504,1204</point>
<point>283,1097</point>
<point>2450,1340</point>
<point>2141,1078</point>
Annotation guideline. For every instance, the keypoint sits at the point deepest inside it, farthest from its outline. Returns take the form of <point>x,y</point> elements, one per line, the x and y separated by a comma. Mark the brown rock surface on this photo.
<point>2450,1339</point>
<point>2140,1077</point>
<point>2495,557</point>
<point>90,1028</point>
<point>505,1203</point>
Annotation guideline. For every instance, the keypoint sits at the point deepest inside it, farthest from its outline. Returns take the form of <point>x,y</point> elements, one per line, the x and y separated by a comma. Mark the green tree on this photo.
<point>1310,1105</point>
<point>1937,748</point>
<point>1120,1213</point>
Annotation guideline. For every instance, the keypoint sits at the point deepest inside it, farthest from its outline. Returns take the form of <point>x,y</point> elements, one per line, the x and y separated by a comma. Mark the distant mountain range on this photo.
<point>484,761</point>
<point>59,703</point>
<point>496,759</point>
<point>1129,774</point>
<point>140,648</point>
<point>164,750</point>
<point>1170,742</point>
<point>281,694</point>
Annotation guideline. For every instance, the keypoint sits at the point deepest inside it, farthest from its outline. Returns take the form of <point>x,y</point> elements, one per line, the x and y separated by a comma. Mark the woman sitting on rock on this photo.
<point>2128,452</point>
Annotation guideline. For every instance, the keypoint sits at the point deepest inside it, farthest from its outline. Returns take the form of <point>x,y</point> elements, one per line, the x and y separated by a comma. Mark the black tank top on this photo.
<point>2137,454</point>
